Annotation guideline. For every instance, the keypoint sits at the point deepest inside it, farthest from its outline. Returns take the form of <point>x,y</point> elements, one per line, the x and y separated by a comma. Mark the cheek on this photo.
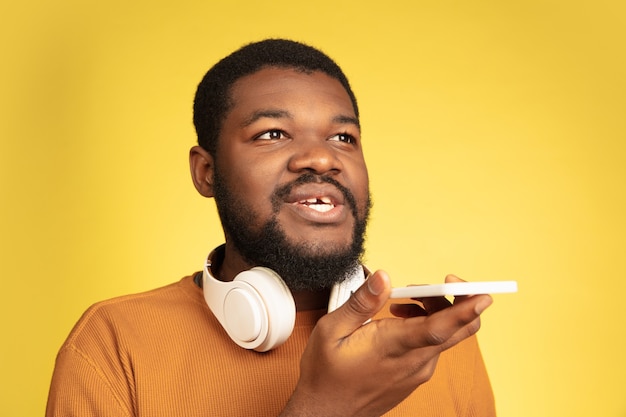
<point>364,205</point>
<point>253,184</point>
<point>361,191</point>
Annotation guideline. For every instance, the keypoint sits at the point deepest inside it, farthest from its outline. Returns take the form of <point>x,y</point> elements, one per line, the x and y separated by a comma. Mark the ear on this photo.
<point>202,167</point>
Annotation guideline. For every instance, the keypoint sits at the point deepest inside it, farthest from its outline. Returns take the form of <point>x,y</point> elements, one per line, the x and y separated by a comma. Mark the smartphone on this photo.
<point>455,288</point>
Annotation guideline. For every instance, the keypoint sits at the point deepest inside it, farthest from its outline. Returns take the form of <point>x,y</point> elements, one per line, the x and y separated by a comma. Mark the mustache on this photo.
<point>282,191</point>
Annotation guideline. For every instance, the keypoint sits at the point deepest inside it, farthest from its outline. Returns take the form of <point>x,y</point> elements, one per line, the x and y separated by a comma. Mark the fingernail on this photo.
<point>375,284</point>
<point>483,304</point>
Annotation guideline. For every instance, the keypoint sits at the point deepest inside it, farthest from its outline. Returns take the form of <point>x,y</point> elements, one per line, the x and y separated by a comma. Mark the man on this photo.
<point>280,151</point>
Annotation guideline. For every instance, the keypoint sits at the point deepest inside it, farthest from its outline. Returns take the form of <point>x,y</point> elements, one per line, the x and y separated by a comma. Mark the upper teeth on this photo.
<point>314,204</point>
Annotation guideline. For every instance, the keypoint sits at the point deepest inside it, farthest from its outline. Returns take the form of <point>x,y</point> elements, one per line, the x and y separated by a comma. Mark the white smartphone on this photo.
<point>455,288</point>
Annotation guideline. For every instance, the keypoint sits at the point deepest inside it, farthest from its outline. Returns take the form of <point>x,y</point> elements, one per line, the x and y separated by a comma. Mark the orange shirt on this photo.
<point>163,353</point>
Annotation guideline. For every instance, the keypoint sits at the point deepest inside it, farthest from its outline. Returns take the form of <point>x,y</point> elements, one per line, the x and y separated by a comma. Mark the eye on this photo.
<point>343,137</point>
<point>274,134</point>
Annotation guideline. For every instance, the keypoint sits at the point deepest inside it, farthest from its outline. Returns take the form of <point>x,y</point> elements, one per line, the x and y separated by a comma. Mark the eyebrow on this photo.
<point>270,113</point>
<point>347,120</point>
<point>279,114</point>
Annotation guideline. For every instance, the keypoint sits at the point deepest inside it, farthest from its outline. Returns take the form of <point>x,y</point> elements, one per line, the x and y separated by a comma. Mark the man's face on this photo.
<point>290,179</point>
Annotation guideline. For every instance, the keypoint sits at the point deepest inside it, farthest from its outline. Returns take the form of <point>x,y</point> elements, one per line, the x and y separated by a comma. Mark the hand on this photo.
<point>351,369</point>
<point>427,305</point>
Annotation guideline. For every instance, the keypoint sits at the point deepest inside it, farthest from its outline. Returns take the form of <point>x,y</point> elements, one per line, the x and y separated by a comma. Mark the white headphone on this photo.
<point>257,309</point>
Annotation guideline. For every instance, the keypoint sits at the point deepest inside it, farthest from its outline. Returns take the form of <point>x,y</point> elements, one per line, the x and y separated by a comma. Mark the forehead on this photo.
<point>280,86</point>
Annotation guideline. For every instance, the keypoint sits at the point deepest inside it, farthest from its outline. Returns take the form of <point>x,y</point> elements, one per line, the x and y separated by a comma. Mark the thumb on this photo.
<point>368,300</point>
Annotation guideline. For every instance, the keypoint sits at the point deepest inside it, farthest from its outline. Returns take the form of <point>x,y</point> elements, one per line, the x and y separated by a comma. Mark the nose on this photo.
<point>316,156</point>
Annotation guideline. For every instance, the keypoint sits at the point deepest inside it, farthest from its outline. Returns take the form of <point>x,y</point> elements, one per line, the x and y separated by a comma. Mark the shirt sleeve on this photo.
<point>80,389</point>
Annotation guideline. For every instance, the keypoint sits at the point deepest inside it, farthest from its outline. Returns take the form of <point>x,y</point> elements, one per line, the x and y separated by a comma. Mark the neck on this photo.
<point>311,300</point>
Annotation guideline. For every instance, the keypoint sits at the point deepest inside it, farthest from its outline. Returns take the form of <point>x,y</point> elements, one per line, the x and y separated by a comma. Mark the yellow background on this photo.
<point>494,133</point>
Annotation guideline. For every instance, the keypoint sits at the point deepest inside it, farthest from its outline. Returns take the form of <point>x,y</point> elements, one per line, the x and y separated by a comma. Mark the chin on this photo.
<point>320,247</point>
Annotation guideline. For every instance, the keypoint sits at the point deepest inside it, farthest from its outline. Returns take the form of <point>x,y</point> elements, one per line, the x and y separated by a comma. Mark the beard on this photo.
<point>303,266</point>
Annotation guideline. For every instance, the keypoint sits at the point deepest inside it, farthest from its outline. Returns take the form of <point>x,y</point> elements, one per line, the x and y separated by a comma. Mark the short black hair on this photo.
<point>212,101</point>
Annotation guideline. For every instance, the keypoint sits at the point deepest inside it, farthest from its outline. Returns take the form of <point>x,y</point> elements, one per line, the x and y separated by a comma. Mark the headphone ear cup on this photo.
<point>276,303</point>
<point>256,309</point>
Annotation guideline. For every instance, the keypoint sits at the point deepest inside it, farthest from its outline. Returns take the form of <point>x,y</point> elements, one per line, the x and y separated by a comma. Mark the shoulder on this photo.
<point>99,358</point>
<point>132,312</point>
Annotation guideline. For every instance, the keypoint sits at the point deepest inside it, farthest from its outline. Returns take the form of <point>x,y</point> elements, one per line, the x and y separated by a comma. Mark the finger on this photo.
<point>406,311</point>
<point>453,278</point>
<point>368,300</point>
<point>458,298</point>
<point>444,328</point>
<point>462,334</point>
<point>435,304</point>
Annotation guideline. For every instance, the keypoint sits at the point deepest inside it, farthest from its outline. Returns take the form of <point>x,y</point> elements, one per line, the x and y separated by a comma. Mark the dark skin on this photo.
<point>284,123</point>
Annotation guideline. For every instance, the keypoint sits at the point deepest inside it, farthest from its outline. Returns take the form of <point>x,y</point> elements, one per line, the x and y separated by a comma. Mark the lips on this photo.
<point>317,202</point>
